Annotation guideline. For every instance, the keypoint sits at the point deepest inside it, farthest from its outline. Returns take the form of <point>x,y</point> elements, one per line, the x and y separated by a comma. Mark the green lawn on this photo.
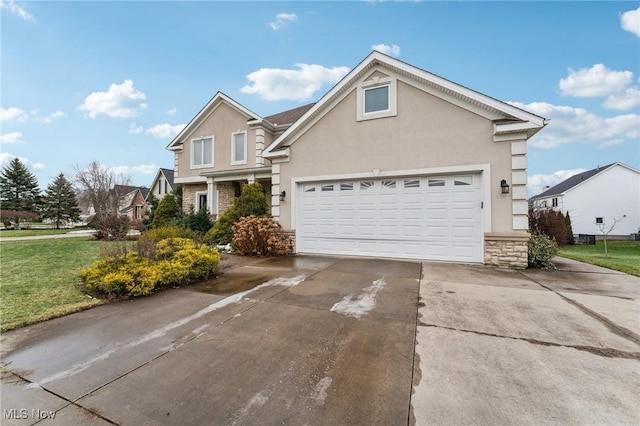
<point>623,256</point>
<point>39,279</point>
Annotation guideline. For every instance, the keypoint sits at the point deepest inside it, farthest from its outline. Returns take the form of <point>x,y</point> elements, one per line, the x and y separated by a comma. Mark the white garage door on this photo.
<point>431,217</point>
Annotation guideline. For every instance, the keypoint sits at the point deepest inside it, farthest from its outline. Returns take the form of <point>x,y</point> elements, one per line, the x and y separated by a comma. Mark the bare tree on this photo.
<point>97,186</point>
<point>606,231</point>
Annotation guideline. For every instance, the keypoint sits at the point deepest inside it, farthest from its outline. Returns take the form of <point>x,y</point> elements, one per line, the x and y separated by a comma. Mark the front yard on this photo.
<point>623,256</point>
<point>39,277</point>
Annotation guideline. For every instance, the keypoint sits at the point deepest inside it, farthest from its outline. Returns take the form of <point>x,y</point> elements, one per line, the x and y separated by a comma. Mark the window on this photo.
<point>436,181</point>
<point>326,187</point>
<point>201,201</point>
<point>462,180</point>
<point>389,184</point>
<point>412,183</point>
<point>366,185</point>
<point>346,186</point>
<point>376,99</point>
<point>202,152</point>
<point>239,148</point>
<point>309,188</point>
<point>554,202</point>
<point>599,220</point>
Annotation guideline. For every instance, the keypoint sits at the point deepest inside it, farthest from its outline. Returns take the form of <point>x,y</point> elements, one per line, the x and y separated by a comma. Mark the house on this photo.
<point>393,162</point>
<point>597,198</point>
<point>162,185</point>
<point>131,201</point>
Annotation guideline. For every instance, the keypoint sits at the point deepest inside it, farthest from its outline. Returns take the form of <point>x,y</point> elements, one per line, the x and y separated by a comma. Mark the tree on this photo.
<point>570,239</point>
<point>606,231</point>
<point>166,212</point>
<point>96,183</point>
<point>19,190</point>
<point>59,202</point>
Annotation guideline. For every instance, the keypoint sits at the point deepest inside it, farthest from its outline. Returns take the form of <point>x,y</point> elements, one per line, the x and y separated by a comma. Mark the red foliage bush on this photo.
<point>260,236</point>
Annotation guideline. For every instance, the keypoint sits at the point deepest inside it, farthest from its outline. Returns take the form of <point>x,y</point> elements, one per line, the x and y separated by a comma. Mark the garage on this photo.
<point>414,217</point>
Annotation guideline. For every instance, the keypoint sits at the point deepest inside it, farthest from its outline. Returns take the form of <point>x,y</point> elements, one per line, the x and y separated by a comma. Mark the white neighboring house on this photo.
<point>596,198</point>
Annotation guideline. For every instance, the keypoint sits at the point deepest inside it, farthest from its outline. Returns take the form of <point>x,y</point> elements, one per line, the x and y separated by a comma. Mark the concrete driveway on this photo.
<point>320,340</point>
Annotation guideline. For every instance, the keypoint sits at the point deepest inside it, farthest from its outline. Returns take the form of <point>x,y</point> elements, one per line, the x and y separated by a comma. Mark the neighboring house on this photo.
<point>392,162</point>
<point>131,201</point>
<point>596,198</point>
<point>162,185</point>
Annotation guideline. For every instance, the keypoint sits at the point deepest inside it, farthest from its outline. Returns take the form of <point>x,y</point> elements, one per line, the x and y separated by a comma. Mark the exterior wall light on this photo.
<point>504,186</point>
<point>283,194</point>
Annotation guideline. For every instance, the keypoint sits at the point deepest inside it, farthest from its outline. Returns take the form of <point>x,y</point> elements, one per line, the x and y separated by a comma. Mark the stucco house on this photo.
<point>393,162</point>
<point>596,198</point>
<point>162,184</point>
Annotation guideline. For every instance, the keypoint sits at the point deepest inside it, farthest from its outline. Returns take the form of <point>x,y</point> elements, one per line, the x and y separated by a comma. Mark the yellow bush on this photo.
<point>177,261</point>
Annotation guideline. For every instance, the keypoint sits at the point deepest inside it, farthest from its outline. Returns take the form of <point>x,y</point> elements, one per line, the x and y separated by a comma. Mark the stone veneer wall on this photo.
<point>189,195</point>
<point>506,251</point>
<point>226,195</point>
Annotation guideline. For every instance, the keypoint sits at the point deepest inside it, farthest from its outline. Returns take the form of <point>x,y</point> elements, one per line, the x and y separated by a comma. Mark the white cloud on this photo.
<point>121,101</point>
<point>282,20</point>
<point>53,116</point>
<point>537,184</point>
<point>393,50</point>
<point>171,112</point>
<point>627,99</point>
<point>146,169</point>
<point>577,125</point>
<point>14,8</point>
<point>11,138</point>
<point>165,131</point>
<point>630,21</point>
<point>273,84</point>
<point>12,113</point>
<point>7,157</point>
<point>594,82</point>
<point>135,129</point>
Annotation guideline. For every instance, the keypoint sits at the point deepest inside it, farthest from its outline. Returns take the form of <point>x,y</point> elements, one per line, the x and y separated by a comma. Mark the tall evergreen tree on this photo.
<point>59,202</point>
<point>19,190</point>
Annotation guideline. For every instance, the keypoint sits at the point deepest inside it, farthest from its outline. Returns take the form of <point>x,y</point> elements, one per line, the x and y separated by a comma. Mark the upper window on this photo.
<point>554,202</point>
<point>377,98</point>
<point>202,152</point>
<point>239,148</point>
<point>599,220</point>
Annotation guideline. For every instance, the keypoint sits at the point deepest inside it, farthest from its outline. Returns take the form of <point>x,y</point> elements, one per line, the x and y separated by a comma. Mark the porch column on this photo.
<point>212,197</point>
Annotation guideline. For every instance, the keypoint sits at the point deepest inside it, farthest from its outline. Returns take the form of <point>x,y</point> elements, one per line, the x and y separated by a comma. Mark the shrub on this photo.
<point>168,231</point>
<point>199,222</point>
<point>541,251</point>
<point>252,201</point>
<point>110,227</point>
<point>551,223</point>
<point>166,211</point>
<point>260,236</point>
<point>176,261</point>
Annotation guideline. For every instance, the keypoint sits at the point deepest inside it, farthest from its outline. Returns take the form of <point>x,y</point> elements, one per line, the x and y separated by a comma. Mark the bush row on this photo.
<point>171,262</point>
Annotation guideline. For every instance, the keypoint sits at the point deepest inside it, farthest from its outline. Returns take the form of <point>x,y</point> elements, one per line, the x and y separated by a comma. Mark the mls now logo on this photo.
<point>17,414</point>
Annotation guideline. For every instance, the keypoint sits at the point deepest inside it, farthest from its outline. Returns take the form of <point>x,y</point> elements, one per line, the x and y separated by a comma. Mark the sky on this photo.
<point>113,82</point>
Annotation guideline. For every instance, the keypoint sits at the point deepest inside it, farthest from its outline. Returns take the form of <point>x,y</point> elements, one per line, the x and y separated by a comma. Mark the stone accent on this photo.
<point>189,195</point>
<point>226,195</point>
<point>506,251</point>
<point>291,234</point>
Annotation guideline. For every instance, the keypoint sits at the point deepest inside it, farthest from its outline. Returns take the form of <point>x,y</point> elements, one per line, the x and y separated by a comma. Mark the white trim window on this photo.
<point>201,200</point>
<point>202,152</point>
<point>377,98</point>
<point>239,148</point>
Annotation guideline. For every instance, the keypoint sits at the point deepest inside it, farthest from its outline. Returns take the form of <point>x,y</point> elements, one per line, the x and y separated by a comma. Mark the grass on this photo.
<point>40,279</point>
<point>623,256</point>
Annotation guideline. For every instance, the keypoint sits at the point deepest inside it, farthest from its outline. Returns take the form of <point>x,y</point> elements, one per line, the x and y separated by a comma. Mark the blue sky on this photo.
<point>115,81</point>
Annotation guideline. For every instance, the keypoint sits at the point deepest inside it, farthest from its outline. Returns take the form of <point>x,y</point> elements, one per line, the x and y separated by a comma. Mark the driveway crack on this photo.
<point>603,352</point>
<point>614,328</point>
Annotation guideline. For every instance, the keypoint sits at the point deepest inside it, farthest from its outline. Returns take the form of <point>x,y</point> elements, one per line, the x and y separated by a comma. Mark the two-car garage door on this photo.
<point>428,217</point>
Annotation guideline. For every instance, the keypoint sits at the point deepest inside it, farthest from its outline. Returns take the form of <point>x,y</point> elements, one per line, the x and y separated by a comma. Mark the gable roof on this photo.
<point>213,103</point>
<point>508,118</point>
<point>574,181</point>
<point>288,117</point>
<point>168,175</point>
